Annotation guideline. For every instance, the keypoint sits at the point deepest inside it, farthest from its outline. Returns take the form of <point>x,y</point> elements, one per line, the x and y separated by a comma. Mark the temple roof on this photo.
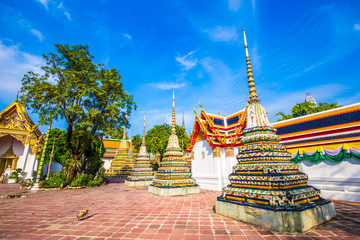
<point>15,117</point>
<point>339,125</point>
<point>335,126</point>
<point>219,131</point>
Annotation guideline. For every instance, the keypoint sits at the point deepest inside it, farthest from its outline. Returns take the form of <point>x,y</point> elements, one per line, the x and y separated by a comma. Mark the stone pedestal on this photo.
<point>137,183</point>
<point>282,221</point>
<point>174,191</point>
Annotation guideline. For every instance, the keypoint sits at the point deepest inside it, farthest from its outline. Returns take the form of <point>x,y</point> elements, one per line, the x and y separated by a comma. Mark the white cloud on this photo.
<point>45,3</point>
<point>223,34</point>
<point>128,36</point>
<point>67,14</point>
<point>357,27</point>
<point>167,85</point>
<point>187,60</point>
<point>18,20</point>
<point>64,10</point>
<point>13,65</point>
<point>234,5</point>
<point>38,34</point>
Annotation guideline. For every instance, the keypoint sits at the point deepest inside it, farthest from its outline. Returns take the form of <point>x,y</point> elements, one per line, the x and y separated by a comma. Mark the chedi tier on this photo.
<point>142,173</point>
<point>123,162</point>
<point>265,188</point>
<point>173,176</point>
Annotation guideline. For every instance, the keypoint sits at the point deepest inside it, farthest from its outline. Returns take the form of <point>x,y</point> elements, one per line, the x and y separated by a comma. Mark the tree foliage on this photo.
<point>157,138</point>
<point>305,108</point>
<point>61,153</point>
<point>89,97</point>
<point>136,142</point>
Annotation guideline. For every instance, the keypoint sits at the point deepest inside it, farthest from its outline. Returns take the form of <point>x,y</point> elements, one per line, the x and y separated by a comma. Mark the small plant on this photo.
<point>15,174</point>
<point>95,182</point>
<point>80,180</point>
<point>155,166</point>
<point>55,180</point>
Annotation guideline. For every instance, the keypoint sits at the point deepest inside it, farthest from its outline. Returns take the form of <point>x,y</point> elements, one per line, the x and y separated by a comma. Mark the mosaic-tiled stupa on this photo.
<point>173,176</point>
<point>122,164</point>
<point>142,173</point>
<point>265,188</point>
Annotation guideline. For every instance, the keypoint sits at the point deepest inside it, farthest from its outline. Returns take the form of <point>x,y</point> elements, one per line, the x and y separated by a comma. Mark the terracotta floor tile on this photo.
<point>120,212</point>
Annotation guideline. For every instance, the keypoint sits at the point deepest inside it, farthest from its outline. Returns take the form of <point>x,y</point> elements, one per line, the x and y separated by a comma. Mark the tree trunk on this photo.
<point>70,175</point>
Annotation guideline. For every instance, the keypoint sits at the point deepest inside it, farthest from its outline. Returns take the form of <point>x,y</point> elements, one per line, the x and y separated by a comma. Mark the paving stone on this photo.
<point>120,212</point>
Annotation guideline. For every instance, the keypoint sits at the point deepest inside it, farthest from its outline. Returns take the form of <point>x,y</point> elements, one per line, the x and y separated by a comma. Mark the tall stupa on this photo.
<point>142,173</point>
<point>173,177</point>
<point>122,163</point>
<point>265,188</point>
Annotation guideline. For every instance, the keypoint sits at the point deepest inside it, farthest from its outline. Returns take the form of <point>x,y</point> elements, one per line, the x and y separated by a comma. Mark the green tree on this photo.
<point>89,97</point>
<point>136,142</point>
<point>305,108</point>
<point>61,152</point>
<point>157,138</point>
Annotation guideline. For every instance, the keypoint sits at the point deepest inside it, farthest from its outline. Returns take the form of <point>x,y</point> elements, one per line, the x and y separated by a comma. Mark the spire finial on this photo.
<point>124,134</point>
<point>253,98</point>
<point>17,96</point>
<point>173,124</point>
<point>143,139</point>
<point>307,93</point>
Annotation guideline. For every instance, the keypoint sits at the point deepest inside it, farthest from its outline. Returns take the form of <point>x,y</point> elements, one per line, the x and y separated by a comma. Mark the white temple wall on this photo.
<point>211,172</point>
<point>107,162</point>
<point>26,159</point>
<point>339,181</point>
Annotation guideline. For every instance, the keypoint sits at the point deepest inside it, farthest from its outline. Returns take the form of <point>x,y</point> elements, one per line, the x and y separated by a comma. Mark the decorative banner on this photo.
<point>335,155</point>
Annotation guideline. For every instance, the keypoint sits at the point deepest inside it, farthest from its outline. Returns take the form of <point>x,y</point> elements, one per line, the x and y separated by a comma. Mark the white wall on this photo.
<point>209,172</point>
<point>107,162</point>
<point>335,180</point>
<point>31,163</point>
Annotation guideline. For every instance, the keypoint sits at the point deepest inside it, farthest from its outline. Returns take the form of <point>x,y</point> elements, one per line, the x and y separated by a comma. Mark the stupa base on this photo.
<point>281,221</point>
<point>175,191</point>
<point>137,183</point>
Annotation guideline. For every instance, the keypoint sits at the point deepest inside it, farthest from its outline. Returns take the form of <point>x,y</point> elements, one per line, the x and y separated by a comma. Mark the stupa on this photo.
<point>142,173</point>
<point>122,163</point>
<point>265,188</point>
<point>173,176</point>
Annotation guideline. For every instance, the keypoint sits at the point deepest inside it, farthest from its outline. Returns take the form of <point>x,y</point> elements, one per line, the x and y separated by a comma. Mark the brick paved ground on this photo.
<point>120,212</point>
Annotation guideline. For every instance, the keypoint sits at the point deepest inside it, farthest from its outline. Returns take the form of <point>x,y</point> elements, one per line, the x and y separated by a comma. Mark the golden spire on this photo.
<point>143,138</point>
<point>124,134</point>
<point>173,124</point>
<point>17,96</point>
<point>253,98</point>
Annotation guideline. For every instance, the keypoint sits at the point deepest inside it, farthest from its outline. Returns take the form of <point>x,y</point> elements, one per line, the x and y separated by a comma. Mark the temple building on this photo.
<point>123,162</point>
<point>111,147</point>
<point>142,173</point>
<point>326,145</point>
<point>214,143</point>
<point>19,142</point>
<point>173,176</point>
<point>265,188</point>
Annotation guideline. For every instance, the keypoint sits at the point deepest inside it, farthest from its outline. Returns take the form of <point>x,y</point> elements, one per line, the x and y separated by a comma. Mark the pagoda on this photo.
<point>123,162</point>
<point>265,188</point>
<point>173,176</point>
<point>142,173</point>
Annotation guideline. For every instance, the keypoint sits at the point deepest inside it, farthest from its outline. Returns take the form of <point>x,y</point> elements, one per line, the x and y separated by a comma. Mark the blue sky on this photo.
<point>195,47</point>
